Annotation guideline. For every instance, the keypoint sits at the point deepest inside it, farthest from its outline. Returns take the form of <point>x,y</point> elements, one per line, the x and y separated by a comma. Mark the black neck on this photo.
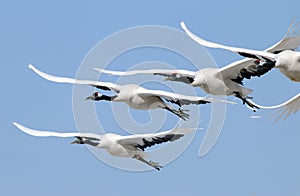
<point>89,142</point>
<point>105,98</point>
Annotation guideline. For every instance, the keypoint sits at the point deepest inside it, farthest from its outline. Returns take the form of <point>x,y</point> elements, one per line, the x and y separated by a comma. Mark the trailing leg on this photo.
<point>180,113</point>
<point>245,101</point>
<point>152,164</point>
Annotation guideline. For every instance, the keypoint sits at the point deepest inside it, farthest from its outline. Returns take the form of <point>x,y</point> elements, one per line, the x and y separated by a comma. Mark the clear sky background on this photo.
<point>251,157</point>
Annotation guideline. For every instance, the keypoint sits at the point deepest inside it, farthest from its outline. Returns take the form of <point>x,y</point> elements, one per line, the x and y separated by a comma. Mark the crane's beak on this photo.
<point>77,141</point>
<point>74,142</point>
<point>89,98</point>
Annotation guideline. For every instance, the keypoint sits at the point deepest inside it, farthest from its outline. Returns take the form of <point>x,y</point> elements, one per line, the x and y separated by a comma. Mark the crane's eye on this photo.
<point>96,94</point>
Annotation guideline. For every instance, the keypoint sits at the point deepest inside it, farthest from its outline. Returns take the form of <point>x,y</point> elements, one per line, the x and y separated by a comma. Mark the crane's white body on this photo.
<point>109,142</point>
<point>288,62</point>
<point>131,95</point>
<point>212,82</point>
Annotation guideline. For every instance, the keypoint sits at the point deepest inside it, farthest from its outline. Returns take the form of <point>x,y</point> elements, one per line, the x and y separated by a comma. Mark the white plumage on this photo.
<point>281,54</point>
<point>131,146</point>
<point>226,80</point>
<point>135,96</point>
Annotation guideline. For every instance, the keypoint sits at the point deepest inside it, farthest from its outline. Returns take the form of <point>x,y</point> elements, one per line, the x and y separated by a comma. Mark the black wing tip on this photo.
<point>177,102</point>
<point>159,140</point>
<point>176,136</point>
<point>255,70</point>
<point>204,102</point>
<point>181,103</point>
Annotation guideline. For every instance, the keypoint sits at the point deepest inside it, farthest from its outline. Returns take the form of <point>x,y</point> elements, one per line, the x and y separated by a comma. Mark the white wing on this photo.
<point>101,85</point>
<point>180,99</point>
<point>290,41</point>
<point>148,71</point>
<point>285,109</point>
<point>256,54</point>
<point>56,134</point>
<point>175,75</point>
<point>143,141</point>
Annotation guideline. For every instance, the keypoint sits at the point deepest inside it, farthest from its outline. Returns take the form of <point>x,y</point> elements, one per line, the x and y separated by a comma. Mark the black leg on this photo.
<point>180,113</point>
<point>152,164</point>
<point>245,101</point>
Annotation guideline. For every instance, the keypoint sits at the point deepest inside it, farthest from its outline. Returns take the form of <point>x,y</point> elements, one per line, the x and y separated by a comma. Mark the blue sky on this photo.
<point>251,157</point>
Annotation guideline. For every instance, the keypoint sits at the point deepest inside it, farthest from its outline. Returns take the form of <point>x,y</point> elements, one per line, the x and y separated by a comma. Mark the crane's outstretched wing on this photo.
<point>100,85</point>
<point>290,41</point>
<point>256,54</point>
<point>174,75</point>
<point>285,109</point>
<point>142,141</point>
<point>180,99</point>
<point>246,68</point>
<point>89,136</point>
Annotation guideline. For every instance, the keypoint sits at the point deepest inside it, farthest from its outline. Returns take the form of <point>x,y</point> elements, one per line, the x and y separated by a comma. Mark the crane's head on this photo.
<point>96,96</point>
<point>91,141</point>
<point>79,140</point>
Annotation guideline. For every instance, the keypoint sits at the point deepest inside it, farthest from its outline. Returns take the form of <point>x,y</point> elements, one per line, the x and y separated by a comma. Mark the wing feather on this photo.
<point>290,41</point>
<point>285,109</point>
<point>143,141</point>
<point>38,133</point>
<point>101,85</point>
<point>242,51</point>
<point>174,75</point>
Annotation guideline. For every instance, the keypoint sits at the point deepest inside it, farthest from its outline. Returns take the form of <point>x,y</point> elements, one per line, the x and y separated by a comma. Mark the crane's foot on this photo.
<point>150,163</point>
<point>246,101</point>
<point>183,114</point>
<point>180,112</point>
<point>155,165</point>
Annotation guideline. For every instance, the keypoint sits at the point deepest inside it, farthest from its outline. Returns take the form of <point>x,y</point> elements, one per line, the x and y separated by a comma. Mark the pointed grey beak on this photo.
<point>75,142</point>
<point>89,98</point>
